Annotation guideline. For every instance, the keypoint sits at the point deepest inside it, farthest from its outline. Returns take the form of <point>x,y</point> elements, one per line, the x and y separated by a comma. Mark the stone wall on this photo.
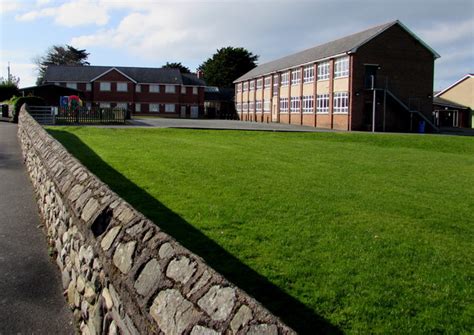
<point>120,272</point>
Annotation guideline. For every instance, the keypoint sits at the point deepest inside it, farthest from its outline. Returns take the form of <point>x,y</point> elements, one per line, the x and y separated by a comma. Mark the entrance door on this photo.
<point>274,111</point>
<point>194,112</point>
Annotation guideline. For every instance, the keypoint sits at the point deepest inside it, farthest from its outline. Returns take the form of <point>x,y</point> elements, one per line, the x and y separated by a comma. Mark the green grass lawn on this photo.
<point>350,232</point>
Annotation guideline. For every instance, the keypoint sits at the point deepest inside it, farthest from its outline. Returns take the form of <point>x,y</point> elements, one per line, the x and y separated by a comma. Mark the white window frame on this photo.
<point>154,108</point>
<point>341,102</point>
<point>122,87</point>
<point>323,70</point>
<point>122,105</point>
<point>154,88</point>
<point>138,88</point>
<point>104,104</point>
<point>138,107</point>
<point>170,108</point>
<point>285,78</point>
<point>295,103</point>
<point>245,107</point>
<point>183,89</point>
<point>258,106</point>
<point>322,101</point>
<point>283,105</point>
<point>239,87</point>
<point>308,74</point>
<point>308,103</point>
<point>252,85</point>
<point>267,82</point>
<point>251,106</point>
<point>246,86</point>
<point>71,85</point>
<point>259,83</point>
<point>275,84</point>
<point>295,77</point>
<point>195,90</point>
<point>170,88</point>
<point>238,106</point>
<point>341,67</point>
<point>105,86</point>
<point>88,87</point>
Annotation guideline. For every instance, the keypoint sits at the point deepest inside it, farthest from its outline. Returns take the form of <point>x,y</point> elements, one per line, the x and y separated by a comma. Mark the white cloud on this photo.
<point>449,32</point>
<point>7,6</point>
<point>71,14</point>
<point>25,71</point>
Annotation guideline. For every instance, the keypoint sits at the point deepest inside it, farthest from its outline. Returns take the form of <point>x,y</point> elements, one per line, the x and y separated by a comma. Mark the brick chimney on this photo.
<point>200,74</point>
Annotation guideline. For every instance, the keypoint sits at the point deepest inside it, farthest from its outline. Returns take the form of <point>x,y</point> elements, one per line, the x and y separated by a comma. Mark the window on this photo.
<point>259,83</point>
<point>170,108</point>
<point>121,105</point>
<point>138,88</point>
<point>239,87</point>
<point>88,87</point>
<point>323,71</point>
<point>238,107</point>
<point>195,90</point>
<point>183,89</point>
<point>259,105</point>
<point>341,67</point>
<point>266,105</point>
<point>104,104</point>
<point>308,103</point>
<point>72,85</point>
<point>275,84</point>
<point>308,74</point>
<point>122,87</point>
<point>246,86</point>
<point>245,107</point>
<point>252,85</point>
<point>285,78</point>
<point>323,103</point>
<point>104,86</point>
<point>138,108</point>
<point>251,106</point>
<point>154,108</point>
<point>267,82</point>
<point>295,104</point>
<point>154,89</point>
<point>295,77</point>
<point>284,105</point>
<point>170,89</point>
<point>341,102</point>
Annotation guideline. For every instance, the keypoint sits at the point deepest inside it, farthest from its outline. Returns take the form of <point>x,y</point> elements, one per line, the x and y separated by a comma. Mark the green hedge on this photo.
<point>31,100</point>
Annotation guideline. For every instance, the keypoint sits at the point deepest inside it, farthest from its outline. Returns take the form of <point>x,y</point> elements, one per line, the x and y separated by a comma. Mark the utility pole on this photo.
<point>373,103</point>
<point>9,74</point>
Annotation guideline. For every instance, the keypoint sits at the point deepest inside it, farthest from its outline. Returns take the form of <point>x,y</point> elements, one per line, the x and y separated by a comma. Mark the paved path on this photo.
<point>220,124</point>
<point>31,300</point>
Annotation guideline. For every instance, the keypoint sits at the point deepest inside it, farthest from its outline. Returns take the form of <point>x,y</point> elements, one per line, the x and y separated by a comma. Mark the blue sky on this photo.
<point>151,33</point>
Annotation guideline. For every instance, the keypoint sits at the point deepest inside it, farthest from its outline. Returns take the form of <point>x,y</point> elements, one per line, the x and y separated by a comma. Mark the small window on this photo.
<point>251,106</point>
<point>308,75</point>
<point>239,87</point>
<point>138,88</point>
<point>284,105</point>
<point>121,105</point>
<point>169,108</point>
<point>275,84</point>
<point>295,77</point>
<point>252,85</point>
<point>341,102</point>
<point>138,108</point>
<point>295,104</point>
<point>285,78</point>
<point>170,89</point>
<point>183,89</point>
<point>105,86</point>
<point>104,104</point>
<point>323,103</point>
<point>71,85</point>
<point>154,89</point>
<point>195,90</point>
<point>267,82</point>
<point>266,105</point>
<point>259,83</point>
<point>122,87</point>
<point>341,67</point>
<point>246,86</point>
<point>155,108</point>
<point>308,103</point>
<point>323,71</point>
<point>88,87</point>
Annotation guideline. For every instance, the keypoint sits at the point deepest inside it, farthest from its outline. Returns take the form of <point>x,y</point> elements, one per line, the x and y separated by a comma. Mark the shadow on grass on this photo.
<point>291,311</point>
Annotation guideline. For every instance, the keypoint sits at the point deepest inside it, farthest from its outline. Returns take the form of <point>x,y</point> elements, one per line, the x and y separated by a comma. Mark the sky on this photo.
<point>148,33</point>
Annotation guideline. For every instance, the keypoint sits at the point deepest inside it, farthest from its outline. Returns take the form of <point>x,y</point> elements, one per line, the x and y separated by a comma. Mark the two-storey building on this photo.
<point>378,79</point>
<point>143,91</point>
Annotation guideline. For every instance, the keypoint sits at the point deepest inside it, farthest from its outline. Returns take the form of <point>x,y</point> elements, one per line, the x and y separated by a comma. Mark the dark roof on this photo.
<point>345,45</point>
<point>447,103</point>
<point>61,73</point>
<point>213,93</point>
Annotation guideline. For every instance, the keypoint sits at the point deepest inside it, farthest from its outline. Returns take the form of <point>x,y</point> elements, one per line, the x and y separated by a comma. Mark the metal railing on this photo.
<point>49,115</point>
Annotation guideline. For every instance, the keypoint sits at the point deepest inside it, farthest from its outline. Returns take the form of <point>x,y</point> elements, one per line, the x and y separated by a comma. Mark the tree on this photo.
<point>60,55</point>
<point>8,87</point>
<point>226,65</point>
<point>179,66</point>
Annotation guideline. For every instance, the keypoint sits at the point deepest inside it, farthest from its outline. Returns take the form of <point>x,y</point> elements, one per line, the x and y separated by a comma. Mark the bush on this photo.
<point>31,100</point>
<point>8,90</point>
